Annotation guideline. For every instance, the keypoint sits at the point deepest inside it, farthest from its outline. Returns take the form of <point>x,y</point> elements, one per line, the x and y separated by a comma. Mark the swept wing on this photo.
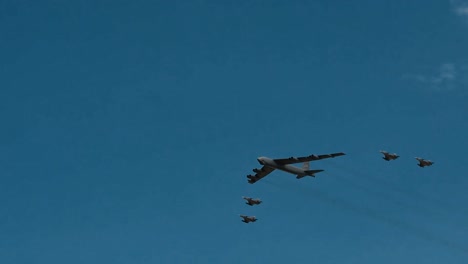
<point>293,160</point>
<point>264,171</point>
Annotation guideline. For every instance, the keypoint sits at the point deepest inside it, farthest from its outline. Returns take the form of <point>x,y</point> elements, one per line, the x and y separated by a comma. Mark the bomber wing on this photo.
<point>259,173</point>
<point>312,157</point>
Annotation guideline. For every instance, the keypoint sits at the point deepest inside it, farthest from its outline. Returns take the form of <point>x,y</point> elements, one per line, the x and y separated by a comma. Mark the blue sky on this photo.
<point>129,127</point>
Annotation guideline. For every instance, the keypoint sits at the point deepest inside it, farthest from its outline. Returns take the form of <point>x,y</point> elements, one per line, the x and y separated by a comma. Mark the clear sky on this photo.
<point>128,128</point>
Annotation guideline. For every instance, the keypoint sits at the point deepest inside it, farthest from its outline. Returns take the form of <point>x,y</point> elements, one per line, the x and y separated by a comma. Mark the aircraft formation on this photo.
<point>393,156</point>
<point>285,164</point>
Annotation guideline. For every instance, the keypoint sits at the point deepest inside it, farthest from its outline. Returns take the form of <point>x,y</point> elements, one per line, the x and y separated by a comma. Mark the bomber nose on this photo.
<point>260,160</point>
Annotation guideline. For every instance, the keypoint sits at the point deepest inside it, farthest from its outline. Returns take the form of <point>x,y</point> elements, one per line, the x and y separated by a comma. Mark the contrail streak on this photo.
<point>372,214</point>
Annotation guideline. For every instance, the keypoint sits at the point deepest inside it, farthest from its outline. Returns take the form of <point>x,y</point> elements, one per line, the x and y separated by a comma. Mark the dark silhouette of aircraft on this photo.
<point>251,201</point>
<point>423,163</point>
<point>269,165</point>
<point>389,156</point>
<point>248,219</point>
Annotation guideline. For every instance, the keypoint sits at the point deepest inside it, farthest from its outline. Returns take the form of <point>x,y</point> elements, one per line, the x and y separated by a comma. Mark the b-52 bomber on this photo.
<point>248,219</point>
<point>251,201</point>
<point>423,163</point>
<point>269,165</point>
<point>389,156</point>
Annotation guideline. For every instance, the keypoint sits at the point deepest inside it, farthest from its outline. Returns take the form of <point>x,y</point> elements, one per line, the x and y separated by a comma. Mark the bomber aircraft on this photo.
<point>269,165</point>
<point>389,156</point>
<point>251,201</point>
<point>423,163</point>
<point>248,219</point>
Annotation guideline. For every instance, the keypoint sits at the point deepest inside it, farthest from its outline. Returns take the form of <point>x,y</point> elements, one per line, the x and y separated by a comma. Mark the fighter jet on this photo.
<point>423,163</point>
<point>251,201</point>
<point>248,219</point>
<point>388,156</point>
<point>269,165</point>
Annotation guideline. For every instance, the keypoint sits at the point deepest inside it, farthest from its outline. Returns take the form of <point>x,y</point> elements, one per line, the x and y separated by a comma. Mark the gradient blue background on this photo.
<point>128,128</point>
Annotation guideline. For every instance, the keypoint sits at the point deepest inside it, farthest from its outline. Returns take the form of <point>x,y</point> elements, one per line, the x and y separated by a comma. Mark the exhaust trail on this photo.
<point>428,212</point>
<point>410,193</point>
<point>416,231</point>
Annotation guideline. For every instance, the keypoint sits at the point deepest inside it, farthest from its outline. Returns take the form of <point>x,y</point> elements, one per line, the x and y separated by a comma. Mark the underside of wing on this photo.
<point>292,160</point>
<point>260,173</point>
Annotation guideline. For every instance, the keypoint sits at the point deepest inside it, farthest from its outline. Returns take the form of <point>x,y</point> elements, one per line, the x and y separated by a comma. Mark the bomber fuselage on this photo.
<point>284,167</point>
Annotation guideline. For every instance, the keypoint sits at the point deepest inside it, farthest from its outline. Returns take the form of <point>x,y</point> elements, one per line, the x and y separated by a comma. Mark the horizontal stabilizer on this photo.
<point>312,172</point>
